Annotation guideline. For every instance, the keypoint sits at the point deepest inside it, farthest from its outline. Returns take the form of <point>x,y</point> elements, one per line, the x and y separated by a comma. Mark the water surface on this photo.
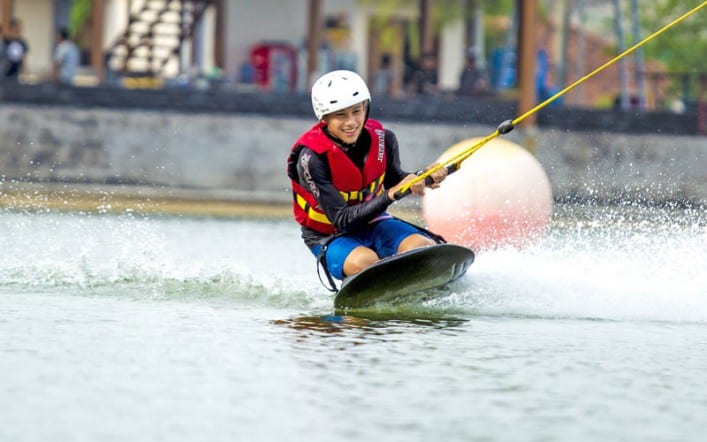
<point>132,328</point>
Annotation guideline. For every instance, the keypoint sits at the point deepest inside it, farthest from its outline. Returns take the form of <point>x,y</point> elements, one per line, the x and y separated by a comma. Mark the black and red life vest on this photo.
<point>354,185</point>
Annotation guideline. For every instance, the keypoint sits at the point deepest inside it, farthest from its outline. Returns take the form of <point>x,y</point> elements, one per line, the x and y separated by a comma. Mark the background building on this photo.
<point>262,42</point>
<point>266,45</point>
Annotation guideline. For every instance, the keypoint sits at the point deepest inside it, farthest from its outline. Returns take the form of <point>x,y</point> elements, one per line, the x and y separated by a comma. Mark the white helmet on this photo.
<point>338,90</point>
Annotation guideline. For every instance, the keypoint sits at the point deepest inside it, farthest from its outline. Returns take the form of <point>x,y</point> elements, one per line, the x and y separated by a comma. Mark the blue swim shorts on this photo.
<point>383,237</point>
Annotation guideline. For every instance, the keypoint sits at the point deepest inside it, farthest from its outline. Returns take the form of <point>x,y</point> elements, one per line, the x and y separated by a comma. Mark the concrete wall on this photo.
<point>247,153</point>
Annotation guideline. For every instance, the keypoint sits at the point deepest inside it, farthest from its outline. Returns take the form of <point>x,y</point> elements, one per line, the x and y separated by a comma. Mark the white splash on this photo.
<point>650,265</point>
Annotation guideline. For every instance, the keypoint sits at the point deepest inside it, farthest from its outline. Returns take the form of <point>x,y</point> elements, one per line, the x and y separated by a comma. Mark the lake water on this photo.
<point>131,328</point>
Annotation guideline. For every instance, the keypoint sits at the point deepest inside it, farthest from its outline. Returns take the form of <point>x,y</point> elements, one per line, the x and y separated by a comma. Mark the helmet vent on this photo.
<point>337,90</point>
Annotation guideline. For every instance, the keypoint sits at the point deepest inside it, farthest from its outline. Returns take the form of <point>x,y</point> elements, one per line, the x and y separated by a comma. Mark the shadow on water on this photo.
<point>374,320</point>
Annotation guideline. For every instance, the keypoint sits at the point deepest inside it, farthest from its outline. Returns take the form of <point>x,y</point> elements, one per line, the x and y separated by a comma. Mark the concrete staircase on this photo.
<point>156,37</point>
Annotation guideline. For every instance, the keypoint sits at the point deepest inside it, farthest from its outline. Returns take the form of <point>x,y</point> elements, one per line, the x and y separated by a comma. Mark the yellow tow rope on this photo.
<point>454,163</point>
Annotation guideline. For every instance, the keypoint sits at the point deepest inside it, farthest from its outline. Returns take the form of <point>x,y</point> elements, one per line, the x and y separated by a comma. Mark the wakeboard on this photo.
<point>398,278</point>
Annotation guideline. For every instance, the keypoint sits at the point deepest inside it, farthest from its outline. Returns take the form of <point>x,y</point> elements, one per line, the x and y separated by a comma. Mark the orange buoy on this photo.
<point>500,196</point>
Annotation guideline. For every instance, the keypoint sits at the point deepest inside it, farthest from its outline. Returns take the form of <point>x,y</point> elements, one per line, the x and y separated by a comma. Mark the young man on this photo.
<point>473,79</point>
<point>345,171</point>
<point>15,49</point>
<point>66,58</point>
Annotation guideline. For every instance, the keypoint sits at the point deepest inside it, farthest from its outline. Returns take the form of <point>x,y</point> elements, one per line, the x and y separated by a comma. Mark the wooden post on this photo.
<point>97,57</point>
<point>702,105</point>
<point>526,58</point>
<point>470,22</point>
<point>425,27</point>
<point>527,53</point>
<point>7,7</point>
<point>220,37</point>
<point>313,42</point>
<point>623,66</point>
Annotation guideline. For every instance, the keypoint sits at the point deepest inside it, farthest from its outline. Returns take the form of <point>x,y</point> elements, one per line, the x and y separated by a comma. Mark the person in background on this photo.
<point>15,49</point>
<point>345,172</point>
<point>425,80</point>
<point>383,78</point>
<point>65,59</point>
<point>473,79</point>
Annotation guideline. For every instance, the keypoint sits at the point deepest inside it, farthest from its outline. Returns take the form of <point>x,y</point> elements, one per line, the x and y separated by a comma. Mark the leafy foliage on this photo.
<point>443,12</point>
<point>683,47</point>
<point>78,15</point>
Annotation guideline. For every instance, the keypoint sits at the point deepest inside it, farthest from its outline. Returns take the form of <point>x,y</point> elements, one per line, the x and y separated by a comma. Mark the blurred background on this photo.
<point>208,95</point>
<point>267,45</point>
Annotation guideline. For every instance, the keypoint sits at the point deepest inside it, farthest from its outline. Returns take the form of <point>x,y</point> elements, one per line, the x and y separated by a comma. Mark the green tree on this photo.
<point>78,15</point>
<point>683,47</point>
<point>443,12</point>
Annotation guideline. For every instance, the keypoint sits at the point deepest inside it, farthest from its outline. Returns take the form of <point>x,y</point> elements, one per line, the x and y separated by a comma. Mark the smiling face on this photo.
<point>347,123</point>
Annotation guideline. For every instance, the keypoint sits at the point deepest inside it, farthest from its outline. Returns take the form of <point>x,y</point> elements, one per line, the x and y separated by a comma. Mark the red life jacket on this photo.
<point>354,185</point>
